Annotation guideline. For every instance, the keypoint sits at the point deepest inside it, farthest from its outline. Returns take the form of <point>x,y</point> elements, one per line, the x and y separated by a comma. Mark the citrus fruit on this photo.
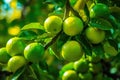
<point>68,66</point>
<point>15,63</point>
<point>95,35</point>
<point>53,24</point>
<point>4,56</point>
<point>70,75</point>
<point>81,65</point>
<point>33,52</point>
<point>15,46</point>
<point>72,51</point>
<point>99,10</point>
<point>72,26</point>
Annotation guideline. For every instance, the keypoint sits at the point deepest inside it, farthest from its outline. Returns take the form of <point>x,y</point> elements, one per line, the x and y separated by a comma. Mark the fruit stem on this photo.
<point>53,40</point>
<point>35,76</point>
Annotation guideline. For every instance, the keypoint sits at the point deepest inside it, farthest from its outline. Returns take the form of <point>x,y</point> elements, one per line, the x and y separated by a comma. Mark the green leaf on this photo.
<point>100,23</point>
<point>99,50</point>
<point>28,35</point>
<point>18,73</point>
<point>52,52</point>
<point>85,44</point>
<point>113,43</point>
<point>33,26</point>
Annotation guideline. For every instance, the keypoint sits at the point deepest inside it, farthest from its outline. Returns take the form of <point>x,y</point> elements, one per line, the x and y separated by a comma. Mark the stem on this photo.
<point>33,72</point>
<point>66,14</point>
<point>53,40</point>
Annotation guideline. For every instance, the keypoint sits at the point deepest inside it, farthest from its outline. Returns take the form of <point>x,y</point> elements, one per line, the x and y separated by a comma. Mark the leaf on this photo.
<point>99,50</point>
<point>52,52</point>
<point>33,26</point>
<point>85,45</point>
<point>113,43</point>
<point>100,23</point>
<point>18,73</point>
<point>28,35</point>
<point>109,49</point>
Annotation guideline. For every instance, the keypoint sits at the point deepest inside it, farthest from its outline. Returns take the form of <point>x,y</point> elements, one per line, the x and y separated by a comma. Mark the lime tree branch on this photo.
<point>66,14</point>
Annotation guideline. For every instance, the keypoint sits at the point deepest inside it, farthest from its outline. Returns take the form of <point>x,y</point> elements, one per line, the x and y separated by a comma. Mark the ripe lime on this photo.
<point>53,24</point>
<point>68,66</point>
<point>34,52</point>
<point>72,51</point>
<point>95,35</point>
<point>15,46</point>
<point>73,26</point>
<point>70,75</point>
<point>99,10</point>
<point>15,63</point>
<point>4,56</point>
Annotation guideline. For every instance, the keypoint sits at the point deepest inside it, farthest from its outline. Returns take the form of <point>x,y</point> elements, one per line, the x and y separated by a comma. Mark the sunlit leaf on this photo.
<point>33,26</point>
<point>100,23</point>
<point>18,73</point>
<point>85,45</point>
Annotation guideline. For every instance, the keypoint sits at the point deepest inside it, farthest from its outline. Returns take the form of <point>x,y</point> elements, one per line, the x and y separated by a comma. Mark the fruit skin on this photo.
<point>15,63</point>
<point>33,52</point>
<point>15,46</point>
<point>72,51</point>
<point>99,10</point>
<point>68,66</point>
<point>81,65</point>
<point>53,24</point>
<point>4,56</point>
<point>95,35</point>
<point>70,75</point>
<point>72,26</point>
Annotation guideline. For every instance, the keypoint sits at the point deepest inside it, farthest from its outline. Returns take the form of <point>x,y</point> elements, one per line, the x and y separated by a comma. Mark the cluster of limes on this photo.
<point>16,54</point>
<point>89,68</point>
<point>72,26</point>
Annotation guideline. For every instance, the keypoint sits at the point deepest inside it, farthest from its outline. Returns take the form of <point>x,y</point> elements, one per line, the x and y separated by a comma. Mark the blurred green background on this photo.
<point>14,14</point>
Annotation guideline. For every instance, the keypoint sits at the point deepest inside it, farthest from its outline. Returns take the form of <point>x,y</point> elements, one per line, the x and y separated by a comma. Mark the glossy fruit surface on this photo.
<point>53,24</point>
<point>15,63</point>
<point>4,56</point>
<point>34,52</point>
<point>15,46</point>
<point>99,10</point>
<point>70,75</point>
<point>72,51</point>
<point>81,65</point>
<point>73,26</point>
<point>95,35</point>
